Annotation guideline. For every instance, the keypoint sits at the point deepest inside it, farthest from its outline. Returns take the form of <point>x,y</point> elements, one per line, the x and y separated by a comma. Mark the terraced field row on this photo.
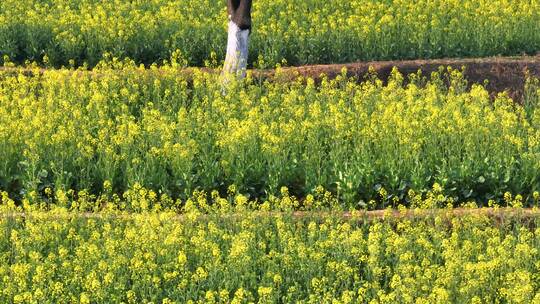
<point>55,256</point>
<point>74,32</point>
<point>370,144</point>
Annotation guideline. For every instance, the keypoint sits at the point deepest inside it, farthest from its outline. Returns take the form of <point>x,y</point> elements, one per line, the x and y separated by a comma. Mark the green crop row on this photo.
<point>78,130</point>
<point>64,32</point>
<point>62,257</point>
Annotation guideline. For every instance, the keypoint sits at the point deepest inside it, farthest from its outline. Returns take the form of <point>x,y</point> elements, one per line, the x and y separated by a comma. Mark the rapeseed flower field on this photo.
<point>75,32</point>
<point>126,177</point>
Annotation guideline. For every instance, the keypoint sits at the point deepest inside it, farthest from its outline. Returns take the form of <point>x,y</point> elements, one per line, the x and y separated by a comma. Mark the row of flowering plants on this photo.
<point>120,125</point>
<point>231,250</point>
<point>78,32</point>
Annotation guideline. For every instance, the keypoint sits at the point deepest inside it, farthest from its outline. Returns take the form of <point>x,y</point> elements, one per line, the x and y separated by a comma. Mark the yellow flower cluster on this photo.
<point>63,257</point>
<point>75,32</point>
<point>108,130</point>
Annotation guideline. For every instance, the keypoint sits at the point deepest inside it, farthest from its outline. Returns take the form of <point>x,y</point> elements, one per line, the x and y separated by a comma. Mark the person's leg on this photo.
<point>238,40</point>
<point>237,51</point>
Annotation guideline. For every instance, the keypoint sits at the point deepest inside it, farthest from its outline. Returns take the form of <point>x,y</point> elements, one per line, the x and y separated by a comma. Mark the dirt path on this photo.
<point>502,73</point>
<point>498,215</point>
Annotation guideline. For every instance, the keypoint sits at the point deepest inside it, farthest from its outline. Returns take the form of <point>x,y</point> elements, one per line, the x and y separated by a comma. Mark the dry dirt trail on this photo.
<point>502,73</point>
<point>499,216</point>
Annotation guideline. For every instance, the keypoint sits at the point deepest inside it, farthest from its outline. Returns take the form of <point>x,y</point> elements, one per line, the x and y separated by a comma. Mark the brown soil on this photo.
<point>498,215</point>
<point>502,73</point>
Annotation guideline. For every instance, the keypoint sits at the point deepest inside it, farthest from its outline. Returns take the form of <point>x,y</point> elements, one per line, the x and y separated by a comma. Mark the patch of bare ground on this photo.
<point>502,73</point>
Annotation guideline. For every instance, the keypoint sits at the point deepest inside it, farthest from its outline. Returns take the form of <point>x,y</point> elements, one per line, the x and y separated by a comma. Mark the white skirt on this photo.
<point>237,52</point>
